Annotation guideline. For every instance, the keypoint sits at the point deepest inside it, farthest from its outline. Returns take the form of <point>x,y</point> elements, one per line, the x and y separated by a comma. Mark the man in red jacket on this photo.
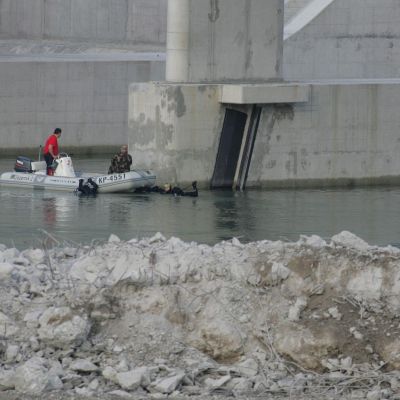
<point>50,150</point>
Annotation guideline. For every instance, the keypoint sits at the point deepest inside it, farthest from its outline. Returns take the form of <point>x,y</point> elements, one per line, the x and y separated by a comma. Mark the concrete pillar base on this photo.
<point>174,130</point>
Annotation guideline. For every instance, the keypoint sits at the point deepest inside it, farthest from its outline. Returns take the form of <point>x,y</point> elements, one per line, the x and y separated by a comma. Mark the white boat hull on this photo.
<point>113,183</point>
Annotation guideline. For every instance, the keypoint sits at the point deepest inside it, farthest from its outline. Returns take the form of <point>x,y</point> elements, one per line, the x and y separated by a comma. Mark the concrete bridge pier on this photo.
<point>203,132</point>
<point>226,118</point>
<point>184,128</point>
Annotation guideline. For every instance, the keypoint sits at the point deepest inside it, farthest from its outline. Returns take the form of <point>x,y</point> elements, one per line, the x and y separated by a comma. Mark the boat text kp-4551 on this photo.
<point>32,174</point>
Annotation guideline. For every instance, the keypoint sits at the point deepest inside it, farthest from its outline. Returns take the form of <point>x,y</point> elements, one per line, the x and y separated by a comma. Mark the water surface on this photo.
<point>28,217</point>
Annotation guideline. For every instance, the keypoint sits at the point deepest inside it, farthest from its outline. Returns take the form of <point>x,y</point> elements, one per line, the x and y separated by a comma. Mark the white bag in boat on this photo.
<point>64,167</point>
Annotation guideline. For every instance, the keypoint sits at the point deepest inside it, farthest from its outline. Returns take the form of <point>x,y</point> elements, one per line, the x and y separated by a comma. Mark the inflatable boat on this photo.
<point>33,175</point>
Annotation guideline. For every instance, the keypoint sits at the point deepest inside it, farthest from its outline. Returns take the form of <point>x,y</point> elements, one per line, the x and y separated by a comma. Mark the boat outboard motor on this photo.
<point>23,164</point>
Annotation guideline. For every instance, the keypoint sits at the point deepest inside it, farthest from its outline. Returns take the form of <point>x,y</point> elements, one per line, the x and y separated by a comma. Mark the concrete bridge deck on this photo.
<point>87,57</point>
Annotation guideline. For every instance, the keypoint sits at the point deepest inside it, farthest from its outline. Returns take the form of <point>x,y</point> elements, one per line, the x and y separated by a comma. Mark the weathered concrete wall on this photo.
<point>131,21</point>
<point>235,40</point>
<point>69,63</point>
<point>174,130</point>
<point>346,134</point>
<point>88,100</point>
<point>349,39</point>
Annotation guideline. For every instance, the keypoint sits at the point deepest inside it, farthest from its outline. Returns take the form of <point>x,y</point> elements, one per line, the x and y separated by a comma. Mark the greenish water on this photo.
<point>28,217</point>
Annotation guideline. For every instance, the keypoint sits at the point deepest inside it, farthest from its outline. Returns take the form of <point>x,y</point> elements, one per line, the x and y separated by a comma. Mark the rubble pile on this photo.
<point>157,318</point>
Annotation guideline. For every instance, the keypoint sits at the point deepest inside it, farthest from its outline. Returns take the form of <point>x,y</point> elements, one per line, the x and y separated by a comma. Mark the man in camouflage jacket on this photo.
<point>121,162</point>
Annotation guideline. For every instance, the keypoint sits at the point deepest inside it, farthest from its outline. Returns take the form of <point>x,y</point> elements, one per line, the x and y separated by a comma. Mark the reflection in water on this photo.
<point>234,216</point>
<point>226,216</point>
<point>248,221</point>
<point>213,216</point>
<point>49,212</point>
<point>119,213</point>
<point>122,209</point>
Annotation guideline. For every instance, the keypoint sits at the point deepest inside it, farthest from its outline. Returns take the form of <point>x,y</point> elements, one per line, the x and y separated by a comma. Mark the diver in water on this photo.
<point>176,191</point>
<point>168,189</point>
<point>87,189</point>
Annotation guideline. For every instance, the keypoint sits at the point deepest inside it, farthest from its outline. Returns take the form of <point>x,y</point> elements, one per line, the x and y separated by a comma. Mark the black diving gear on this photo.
<point>87,188</point>
<point>168,189</point>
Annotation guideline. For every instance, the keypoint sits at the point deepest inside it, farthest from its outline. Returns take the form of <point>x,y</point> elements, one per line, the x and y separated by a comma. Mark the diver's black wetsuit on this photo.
<point>176,191</point>
<point>89,188</point>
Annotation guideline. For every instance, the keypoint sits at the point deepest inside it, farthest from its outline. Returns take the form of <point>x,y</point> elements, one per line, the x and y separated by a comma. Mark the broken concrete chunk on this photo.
<point>247,367</point>
<point>297,308</point>
<point>334,313</point>
<point>110,374</point>
<point>168,385</point>
<point>113,239</point>
<point>83,366</point>
<point>158,237</point>
<point>35,256</point>
<point>33,378</point>
<point>357,335</point>
<point>7,379</point>
<point>8,327</point>
<point>131,380</point>
<point>61,328</point>
<point>6,269</point>
<point>12,353</point>
<point>216,383</point>
<point>11,253</point>
<point>348,239</point>
<point>279,272</point>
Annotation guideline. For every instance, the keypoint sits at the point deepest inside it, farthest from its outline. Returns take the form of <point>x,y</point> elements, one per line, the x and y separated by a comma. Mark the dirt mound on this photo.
<point>161,317</point>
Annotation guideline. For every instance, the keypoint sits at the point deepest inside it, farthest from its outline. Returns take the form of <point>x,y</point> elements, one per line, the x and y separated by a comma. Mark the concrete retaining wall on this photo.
<point>130,21</point>
<point>349,39</point>
<point>88,100</point>
<point>69,63</point>
<point>346,134</point>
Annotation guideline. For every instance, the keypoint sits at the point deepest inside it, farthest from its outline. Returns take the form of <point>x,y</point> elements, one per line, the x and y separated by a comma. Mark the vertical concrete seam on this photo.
<point>70,18</point>
<point>189,39</point>
<point>212,17</point>
<point>159,25</point>
<point>108,18</point>
<point>43,18</point>
<point>279,47</point>
<point>96,13</point>
<point>126,19</point>
<point>247,46</point>
<point>14,29</point>
<point>372,126</point>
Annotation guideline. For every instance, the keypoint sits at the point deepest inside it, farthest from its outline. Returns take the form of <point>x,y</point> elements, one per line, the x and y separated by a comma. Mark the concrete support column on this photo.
<point>177,68</point>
